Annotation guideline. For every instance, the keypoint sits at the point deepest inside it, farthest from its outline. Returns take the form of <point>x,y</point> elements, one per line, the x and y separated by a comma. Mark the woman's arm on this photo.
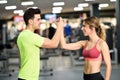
<point>107,60</point>
<point>70,46</point>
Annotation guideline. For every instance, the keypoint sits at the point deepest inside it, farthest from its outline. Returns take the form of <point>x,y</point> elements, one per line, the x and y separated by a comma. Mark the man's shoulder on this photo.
<point>23,34</point>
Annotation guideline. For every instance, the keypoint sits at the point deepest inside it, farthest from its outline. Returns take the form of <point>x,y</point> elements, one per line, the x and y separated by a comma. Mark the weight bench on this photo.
<point>45,71</point>
<point>4,70</point>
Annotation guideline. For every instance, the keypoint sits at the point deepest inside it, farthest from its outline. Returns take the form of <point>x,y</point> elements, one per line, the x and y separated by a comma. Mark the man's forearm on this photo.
<point>56,37</point>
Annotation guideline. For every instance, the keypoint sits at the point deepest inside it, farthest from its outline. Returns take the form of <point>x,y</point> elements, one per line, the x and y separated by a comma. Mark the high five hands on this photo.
<point>60,22</point>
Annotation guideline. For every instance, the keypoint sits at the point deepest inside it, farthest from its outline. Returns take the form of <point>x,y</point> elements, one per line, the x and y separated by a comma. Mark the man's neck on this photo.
<point>30,28</point>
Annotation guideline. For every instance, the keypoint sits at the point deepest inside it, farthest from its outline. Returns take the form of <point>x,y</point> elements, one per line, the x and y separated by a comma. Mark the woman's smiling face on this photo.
<point>86,29</point>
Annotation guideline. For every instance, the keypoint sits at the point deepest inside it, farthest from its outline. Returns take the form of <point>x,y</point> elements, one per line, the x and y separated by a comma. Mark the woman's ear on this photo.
<point>92,28</point>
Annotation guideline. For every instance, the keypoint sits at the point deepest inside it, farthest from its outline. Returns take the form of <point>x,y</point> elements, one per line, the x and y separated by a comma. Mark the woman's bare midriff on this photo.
<point>92,66</point>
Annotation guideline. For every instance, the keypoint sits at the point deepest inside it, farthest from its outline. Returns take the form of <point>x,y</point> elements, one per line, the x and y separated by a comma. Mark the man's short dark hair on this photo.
<point>29,14</point>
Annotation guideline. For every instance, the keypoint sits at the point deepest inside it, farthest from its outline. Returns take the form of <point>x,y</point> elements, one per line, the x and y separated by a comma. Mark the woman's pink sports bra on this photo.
<point>92,54</point>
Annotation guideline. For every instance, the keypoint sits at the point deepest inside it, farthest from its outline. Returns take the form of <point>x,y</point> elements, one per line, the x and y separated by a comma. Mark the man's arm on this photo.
<point>53,43</point>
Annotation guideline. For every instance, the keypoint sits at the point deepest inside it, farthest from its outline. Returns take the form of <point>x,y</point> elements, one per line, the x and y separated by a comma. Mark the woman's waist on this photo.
<point>91,67</point>
<point>91,71</point>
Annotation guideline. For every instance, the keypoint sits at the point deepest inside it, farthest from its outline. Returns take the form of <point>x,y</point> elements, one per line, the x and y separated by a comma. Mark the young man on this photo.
<point>29,44</point>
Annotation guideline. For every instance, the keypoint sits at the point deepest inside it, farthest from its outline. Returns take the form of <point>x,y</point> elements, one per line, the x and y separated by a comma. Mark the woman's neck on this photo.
<point>93,37</point>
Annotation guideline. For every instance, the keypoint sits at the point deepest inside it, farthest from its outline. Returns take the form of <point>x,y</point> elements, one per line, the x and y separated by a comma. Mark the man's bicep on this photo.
<point>46,43</point>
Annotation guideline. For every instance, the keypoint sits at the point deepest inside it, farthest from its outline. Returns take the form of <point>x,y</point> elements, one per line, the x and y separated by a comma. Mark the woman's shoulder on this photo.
<point>102,43</point>
<point>83,42</point>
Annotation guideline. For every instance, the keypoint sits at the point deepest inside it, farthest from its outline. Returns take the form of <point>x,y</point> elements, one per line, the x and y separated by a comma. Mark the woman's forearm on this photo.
<point>62,40</point>
<point>108,72</point>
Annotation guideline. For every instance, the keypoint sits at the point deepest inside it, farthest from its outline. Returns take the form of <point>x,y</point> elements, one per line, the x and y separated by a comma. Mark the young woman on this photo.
<point>94,50</point>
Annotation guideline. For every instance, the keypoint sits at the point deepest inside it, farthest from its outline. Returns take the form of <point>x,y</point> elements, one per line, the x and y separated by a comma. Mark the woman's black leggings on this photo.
<point>94,76</point>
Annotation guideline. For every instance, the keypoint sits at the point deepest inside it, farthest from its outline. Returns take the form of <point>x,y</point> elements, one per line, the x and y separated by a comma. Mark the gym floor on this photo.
<point>63,70</point>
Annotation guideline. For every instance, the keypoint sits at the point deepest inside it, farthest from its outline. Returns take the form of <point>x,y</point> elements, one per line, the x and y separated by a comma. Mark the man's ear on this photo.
<point>30,21</point>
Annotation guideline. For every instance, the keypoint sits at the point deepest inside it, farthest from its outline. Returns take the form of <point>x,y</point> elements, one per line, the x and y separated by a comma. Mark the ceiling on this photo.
<point>46,6</point>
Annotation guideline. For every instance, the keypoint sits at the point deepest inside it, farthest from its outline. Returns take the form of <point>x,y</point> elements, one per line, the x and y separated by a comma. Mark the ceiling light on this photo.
<point>89,0</point>
<point>78,8</point>
<point>83,5</point>
<point>32,7</point>
<point>58,3</point>
<point>3,1</point>
<point>103,5</point>
<point>99,8</point>
<point>18,11</point>
<point>56,11</point>
<point>57,8</point>
<point>27,3</point>
<point>113,0</point>
<point>10,7</point>
<point>21,14</point>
